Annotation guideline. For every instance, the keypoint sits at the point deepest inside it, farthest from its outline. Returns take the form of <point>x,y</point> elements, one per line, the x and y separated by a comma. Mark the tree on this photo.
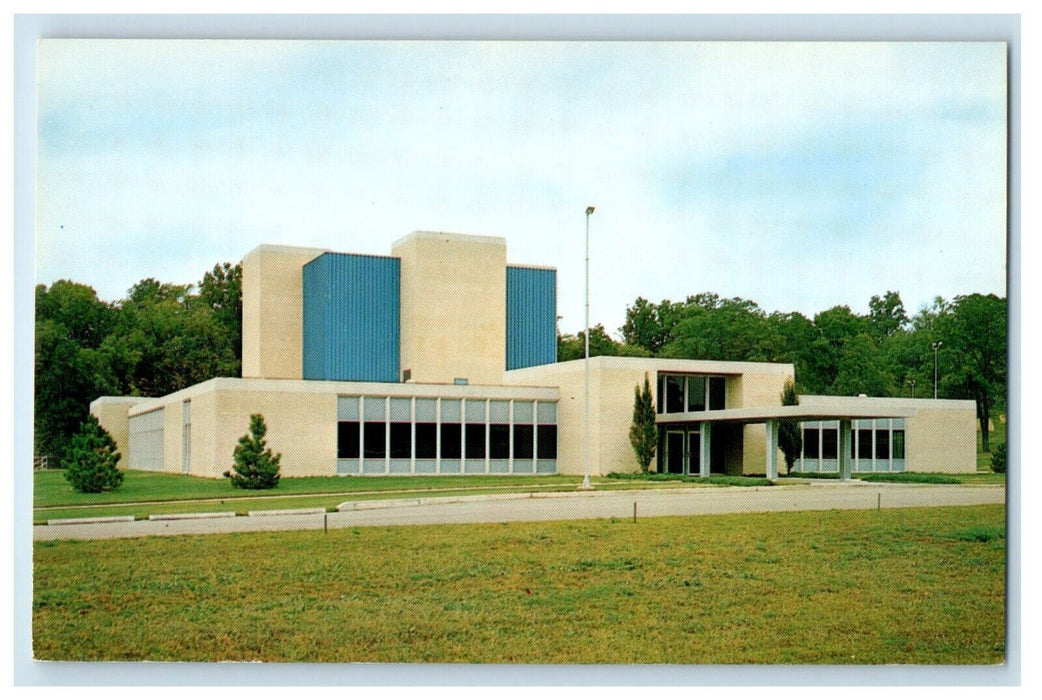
<point>91,458</point>
<point>998,459</point>
<point>886,315</point>
<point>650,326</point>
<point>790,439</point>
<point>573,347</point>
<point>643,431</point>
<point>255,465</point>
<point>973,357</point>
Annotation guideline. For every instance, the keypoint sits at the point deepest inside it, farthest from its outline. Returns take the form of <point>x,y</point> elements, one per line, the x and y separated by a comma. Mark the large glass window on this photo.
<point>499,441</point>
<point>547,435</point>
<point>451,440</point>
<point>674,394</point>
<point>899,444</point>
<point>427,440</point>
<point>401,440</point>
<point>882,444</point>
<point>828,443</point>
<point>696,393</point>
<point>864,444</point>
<point>374,444</point>
<point>811,445</point>
<point>475,437</point>
<point>716,393</point>
<point>347,443</point>
<point>524,436</point>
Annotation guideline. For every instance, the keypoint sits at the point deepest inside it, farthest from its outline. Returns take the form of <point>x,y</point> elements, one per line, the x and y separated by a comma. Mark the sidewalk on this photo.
<point>545,506</point>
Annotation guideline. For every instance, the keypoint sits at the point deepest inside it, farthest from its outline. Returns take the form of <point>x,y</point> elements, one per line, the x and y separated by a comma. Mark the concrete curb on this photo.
<point>288,511</point>
<point>190,516</point>
<point>85,521</point>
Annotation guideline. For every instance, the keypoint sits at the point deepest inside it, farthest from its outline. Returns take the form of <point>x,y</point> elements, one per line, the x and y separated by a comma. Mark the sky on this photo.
<point>799,175</point>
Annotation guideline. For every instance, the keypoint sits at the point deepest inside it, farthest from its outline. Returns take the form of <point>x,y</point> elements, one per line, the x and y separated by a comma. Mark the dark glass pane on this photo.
<point>864,444</point>
<point>810,443</point>
<point>451,439</point>
<point>660,395</point>
<point>499,441</point>
<point>401,440</point>
<point>475,437</point>
<point>375,445</point>
<point>347,446</point>
<point>899,444</point>
<point>426,440</point>
<point>675,452</point>
<point>674,394</point>
<point>882,444</point>
<point>716,393</point>
<point>523,436</point>
<point>547,441</point>
<point>828,443</point>
<point>696,393</point>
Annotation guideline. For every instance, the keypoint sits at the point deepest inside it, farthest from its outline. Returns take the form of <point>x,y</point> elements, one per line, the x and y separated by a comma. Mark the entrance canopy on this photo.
<point>845,411</point>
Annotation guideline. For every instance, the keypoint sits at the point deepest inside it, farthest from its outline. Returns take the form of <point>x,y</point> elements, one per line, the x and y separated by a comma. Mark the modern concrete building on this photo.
<point>441,359</point>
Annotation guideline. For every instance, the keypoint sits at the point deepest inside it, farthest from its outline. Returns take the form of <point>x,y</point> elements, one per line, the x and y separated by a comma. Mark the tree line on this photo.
<point>161,338</point>
<point>837,352</point>
<point>164,337</point>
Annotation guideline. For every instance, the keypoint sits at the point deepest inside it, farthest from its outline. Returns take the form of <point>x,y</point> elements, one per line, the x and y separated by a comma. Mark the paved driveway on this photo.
<point>556,506</point>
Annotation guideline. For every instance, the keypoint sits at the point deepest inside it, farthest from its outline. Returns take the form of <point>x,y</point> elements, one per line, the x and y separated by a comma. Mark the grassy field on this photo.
<point>152,493</point>
<point>911,586</point>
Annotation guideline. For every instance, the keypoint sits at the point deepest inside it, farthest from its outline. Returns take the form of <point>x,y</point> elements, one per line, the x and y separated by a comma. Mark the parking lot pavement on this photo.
<point>553,506</point>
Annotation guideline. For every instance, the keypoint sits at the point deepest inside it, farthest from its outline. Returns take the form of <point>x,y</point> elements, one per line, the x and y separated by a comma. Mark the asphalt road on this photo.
<point>556,506</point>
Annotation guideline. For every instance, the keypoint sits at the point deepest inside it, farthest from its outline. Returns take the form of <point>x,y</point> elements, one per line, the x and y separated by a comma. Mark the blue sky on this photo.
<point>801,176</point>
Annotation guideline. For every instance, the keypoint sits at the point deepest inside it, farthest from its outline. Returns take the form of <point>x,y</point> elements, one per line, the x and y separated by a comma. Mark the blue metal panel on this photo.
<point>531,317</point>
<point>351,318</point>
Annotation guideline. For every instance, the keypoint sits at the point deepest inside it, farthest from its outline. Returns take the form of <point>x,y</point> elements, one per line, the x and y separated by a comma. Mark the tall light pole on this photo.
<point>586,365</point>
<point>935,346</point>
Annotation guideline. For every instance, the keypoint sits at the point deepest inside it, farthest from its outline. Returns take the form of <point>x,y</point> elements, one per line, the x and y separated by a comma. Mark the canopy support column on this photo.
<point>772,448</point>
<point>705,436</point>
<point>843,448</point>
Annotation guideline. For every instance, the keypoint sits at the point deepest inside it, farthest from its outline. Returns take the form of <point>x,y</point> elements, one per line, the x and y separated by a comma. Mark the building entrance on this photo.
<point>682,449</point>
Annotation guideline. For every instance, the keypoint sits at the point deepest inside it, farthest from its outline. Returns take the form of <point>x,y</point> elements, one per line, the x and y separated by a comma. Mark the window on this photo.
<point>547,435</point>
<point>347,442</point>
<point>427,441</point>
<point>882,444</point>
<point>864,444</point>
<point>451,439</point>
<point>899,444</point>
<point>475,437</point>
<point>674,394</point>
<point>499,441</point>
<point>716,393</point>
<point>523,438</point>
<point>374,445</point>
<point>696,393</point>
<point>828,443</point>
<point>811,447</point>
<point>401,440</point>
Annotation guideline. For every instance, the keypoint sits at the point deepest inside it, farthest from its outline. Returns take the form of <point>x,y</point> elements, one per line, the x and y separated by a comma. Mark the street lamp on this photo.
<point>586,366</point>
<point>935,346</point>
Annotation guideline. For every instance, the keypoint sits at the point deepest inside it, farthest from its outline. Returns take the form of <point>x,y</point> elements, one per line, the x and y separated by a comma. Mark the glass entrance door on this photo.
<point>675,451</point>
<point>694,448</point>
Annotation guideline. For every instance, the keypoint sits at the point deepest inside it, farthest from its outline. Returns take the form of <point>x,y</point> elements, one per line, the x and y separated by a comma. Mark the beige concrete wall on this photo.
<point>611,410</point>
<point>272,311</point>
<point>453,307</point>
<point>111,412</point>
<point>758,388</point>
<point>942,439</point>
<point>301,426</point>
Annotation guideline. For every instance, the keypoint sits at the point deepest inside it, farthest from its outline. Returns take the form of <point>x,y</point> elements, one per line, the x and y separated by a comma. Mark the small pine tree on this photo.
<point>91,458</point>
<point>256,467</point>
<point>643,431</point>
<point>790,439</point>
<point>998,459</point>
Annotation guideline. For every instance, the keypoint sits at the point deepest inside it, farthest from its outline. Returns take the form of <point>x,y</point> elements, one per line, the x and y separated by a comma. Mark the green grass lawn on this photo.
<point>906,586</point>
<point>152,493</point>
